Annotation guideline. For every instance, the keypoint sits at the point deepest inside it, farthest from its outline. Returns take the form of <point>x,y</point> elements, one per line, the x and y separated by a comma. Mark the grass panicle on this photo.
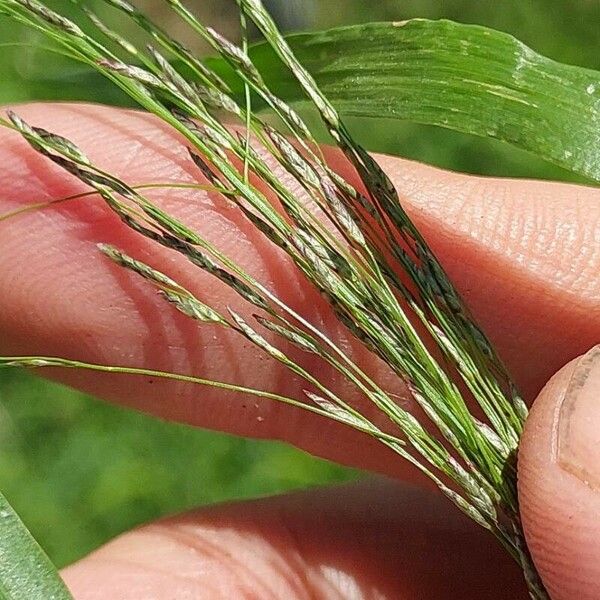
<point>359,250</point>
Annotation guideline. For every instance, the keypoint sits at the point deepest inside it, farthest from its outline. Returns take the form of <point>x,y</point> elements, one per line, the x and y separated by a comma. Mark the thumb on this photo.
<point>559,480</point>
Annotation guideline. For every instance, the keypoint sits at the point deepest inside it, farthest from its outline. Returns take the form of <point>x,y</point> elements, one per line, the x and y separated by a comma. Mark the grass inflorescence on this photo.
<point>359,250</point>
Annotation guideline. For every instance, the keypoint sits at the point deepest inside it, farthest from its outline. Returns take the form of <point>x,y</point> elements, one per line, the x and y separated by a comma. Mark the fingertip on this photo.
<point>559,480</point>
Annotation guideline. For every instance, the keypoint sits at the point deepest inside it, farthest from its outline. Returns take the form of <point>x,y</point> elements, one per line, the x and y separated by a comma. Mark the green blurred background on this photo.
<point>79,471</point>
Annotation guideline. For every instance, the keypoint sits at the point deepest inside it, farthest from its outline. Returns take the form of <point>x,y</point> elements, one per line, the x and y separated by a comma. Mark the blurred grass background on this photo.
<point>79,471</point>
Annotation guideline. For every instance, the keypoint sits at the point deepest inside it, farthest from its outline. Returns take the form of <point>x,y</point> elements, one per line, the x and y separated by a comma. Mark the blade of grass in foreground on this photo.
<point>463,77</point>
<point>466,78</point>
<point>25,570</point>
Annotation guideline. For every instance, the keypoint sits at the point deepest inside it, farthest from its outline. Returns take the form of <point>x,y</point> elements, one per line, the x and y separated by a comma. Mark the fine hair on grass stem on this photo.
<point>354,244</point>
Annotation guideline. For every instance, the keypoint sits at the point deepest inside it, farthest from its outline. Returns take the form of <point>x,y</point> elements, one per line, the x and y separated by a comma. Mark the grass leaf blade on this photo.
<point>467,78</point>
<point>25,570</point>
<point>463,77</point>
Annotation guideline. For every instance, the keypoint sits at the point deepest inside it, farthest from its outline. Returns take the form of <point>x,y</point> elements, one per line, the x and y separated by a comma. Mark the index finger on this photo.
<point>520,252</point>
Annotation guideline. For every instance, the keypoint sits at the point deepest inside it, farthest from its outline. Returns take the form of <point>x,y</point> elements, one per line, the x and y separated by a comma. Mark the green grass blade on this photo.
<point>25,570</point>
<point>466,78</point>
<point>463,77</point>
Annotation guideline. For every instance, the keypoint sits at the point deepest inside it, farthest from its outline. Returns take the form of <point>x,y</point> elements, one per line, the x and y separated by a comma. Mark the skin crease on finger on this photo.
<point>523,254</point>
<point>372,541</point>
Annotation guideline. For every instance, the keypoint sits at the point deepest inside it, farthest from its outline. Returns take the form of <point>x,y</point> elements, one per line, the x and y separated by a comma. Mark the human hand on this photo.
<point>525,256</point>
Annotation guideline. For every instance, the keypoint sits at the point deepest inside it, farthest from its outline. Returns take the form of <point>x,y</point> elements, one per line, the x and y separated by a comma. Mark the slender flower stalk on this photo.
<point>359,250</point>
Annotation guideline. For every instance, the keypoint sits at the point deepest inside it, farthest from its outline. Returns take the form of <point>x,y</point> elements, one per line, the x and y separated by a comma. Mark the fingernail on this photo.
<point>578,427</point>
